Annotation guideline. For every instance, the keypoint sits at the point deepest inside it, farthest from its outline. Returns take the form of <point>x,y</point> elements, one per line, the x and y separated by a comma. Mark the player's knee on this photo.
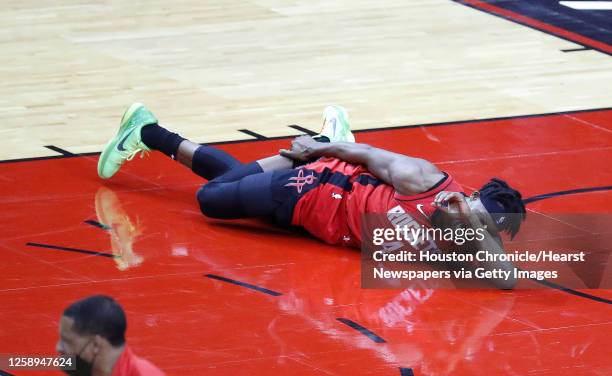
<point>220,201</point>
<point>206,199</point>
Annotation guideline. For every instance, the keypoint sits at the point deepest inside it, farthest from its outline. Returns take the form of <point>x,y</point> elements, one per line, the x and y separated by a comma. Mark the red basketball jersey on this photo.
<point>332,211</point>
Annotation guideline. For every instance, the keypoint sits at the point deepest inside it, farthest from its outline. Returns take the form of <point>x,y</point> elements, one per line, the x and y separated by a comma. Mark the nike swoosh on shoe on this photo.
<point>120,144</point>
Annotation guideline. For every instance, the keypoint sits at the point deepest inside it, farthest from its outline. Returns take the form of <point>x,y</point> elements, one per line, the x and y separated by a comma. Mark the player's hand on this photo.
<point>452,203</point>
<point>302,149</point>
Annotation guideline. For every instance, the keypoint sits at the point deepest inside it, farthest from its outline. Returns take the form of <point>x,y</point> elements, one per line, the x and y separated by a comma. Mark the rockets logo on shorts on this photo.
<point>300,180</point>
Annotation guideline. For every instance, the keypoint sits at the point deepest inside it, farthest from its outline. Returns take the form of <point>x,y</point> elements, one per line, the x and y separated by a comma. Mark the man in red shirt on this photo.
<point>93,330</point>
<point>325,184</point>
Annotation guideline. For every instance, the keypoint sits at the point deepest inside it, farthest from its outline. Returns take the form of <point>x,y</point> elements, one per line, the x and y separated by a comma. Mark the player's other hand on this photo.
<point>302,149</point>
<point>452,203</point>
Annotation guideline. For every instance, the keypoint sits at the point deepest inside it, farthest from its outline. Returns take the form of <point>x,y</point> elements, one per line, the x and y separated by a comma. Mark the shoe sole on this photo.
<point>113,142</point>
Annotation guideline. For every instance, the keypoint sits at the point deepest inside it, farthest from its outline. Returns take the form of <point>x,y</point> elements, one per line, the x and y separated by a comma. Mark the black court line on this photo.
<point>423,125</point>
<point>60,150</point>
<point>406,371</point>
<point>565,193</point>
<point>462,2</point>
<point>554,285</point>
<point>363,330</point>
<point>31,159</point>
<point>476,121</point>
<point>97,224</point>
<point>254,134</point>
<point>244,284</point>
<point>68,249</point>
<point>303,130</point>
<point>573,292</point>
<point>577,49</point>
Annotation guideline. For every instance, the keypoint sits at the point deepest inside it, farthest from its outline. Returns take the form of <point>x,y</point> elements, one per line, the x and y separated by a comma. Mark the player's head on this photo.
<point>500,205</point>
<point>89,327</point>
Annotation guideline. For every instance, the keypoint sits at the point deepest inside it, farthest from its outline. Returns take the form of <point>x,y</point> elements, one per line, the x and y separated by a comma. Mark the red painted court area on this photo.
<point>189,323</point>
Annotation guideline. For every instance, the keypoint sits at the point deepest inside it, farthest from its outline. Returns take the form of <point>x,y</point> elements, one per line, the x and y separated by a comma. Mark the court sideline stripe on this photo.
<point>537,25</point>
<point>243,284</point>
<point>361,329</point>
<point>68,249</point>
<point>301,129</point>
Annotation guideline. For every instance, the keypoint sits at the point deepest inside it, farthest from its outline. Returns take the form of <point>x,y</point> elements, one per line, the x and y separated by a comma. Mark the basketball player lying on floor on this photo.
<point>336,181</point>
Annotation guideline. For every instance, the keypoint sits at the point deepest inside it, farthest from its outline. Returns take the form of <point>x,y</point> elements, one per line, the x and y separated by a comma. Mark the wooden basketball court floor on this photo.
<point>479,95</point>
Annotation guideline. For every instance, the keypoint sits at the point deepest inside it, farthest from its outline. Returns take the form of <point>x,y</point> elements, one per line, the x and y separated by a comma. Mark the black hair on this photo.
<point>100,315</point>
<point>507,198</point>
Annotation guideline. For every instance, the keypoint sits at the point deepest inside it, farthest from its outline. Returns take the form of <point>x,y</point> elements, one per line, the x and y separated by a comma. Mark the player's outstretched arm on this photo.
<point>406,174</point>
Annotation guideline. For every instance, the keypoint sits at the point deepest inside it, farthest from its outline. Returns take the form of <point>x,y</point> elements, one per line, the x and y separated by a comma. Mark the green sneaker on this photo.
<point>336,125</point>
<point>127,143</point>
